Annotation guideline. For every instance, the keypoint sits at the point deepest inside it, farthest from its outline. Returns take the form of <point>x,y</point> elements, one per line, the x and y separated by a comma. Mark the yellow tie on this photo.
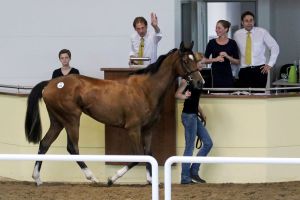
<point>248,56</point>
<point>141,51</point>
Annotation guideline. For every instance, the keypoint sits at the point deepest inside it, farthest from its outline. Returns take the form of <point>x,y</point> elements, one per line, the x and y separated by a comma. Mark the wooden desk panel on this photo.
<point>117,141</point>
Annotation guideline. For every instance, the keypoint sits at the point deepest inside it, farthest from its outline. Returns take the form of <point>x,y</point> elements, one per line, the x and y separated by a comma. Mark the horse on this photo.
<point>133,103</point>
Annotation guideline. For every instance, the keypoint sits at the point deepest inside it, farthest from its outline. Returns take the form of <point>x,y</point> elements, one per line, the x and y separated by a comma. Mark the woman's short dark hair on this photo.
<point>247,13</point>
<point>139,20</point>
<point>225,24</point>
<point>67,51</point>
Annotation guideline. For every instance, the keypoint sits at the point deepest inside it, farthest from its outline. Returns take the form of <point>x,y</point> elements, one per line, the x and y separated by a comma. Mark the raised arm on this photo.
<point>154,22</point>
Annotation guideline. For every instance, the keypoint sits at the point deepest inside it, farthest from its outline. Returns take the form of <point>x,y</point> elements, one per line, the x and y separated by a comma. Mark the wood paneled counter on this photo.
<point>117,141</point>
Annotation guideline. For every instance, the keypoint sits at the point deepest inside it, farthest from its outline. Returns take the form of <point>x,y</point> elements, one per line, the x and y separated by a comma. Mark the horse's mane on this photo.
<point>152,68</point>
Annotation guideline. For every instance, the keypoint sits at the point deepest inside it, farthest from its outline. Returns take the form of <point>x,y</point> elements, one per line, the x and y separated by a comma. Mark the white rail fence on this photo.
<point>103,158</point>
<point>153,162</point>
<point>223,160</point>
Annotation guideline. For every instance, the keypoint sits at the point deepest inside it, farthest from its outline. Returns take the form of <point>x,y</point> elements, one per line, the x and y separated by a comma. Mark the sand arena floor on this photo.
<point>17,190</point>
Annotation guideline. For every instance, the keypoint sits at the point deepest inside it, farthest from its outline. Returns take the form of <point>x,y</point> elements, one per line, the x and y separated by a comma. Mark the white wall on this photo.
<point>97,33</point>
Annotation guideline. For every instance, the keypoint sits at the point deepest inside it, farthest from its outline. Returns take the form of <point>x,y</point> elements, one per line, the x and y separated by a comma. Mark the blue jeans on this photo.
<point>193,126</point>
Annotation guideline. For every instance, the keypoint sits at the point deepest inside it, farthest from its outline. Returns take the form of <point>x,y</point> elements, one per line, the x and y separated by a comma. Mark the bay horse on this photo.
<point>133,103</point>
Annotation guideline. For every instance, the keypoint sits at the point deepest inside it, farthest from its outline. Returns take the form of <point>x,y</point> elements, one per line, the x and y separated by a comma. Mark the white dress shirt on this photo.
<point>151,40</point>
<point>261,39</point>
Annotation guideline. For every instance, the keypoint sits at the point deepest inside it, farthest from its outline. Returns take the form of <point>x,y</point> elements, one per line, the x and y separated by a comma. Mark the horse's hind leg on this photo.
<point>72,147</point>
<point>45,143</point>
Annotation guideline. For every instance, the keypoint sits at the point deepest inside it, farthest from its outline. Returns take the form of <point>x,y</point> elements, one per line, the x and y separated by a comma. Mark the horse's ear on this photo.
<point>191,45</point>
<point>181,46</point>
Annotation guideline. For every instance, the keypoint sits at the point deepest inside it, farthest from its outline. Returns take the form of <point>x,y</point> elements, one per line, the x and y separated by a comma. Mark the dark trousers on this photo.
<point>251,77</point>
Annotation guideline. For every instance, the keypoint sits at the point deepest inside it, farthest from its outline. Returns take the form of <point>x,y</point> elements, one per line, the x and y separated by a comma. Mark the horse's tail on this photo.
<point>33,127</point>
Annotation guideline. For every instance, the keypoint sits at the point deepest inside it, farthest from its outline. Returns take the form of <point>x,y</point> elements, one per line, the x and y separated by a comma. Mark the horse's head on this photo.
<point>188,67</point>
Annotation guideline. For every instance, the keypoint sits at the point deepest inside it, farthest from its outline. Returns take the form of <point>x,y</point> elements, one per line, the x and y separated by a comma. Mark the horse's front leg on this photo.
<point>135,136</point>
<point>146,139</point>
<point>120,173</point>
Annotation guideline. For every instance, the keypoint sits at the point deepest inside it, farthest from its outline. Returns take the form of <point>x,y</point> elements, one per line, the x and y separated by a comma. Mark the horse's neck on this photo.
<point>162,80</point>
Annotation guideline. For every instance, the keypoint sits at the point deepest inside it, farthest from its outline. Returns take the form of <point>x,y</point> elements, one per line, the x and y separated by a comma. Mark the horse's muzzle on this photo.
<point>198,84</point>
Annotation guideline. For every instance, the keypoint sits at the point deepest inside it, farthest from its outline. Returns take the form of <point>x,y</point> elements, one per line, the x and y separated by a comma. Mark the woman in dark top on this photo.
<point>192,127</point>
<point>64,57</point>
<point>223,52</point>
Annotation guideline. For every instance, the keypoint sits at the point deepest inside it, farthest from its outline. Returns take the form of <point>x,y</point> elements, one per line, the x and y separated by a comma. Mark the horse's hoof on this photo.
<point>94,180</point>
<point>38,182</point>
<point>109,182</point>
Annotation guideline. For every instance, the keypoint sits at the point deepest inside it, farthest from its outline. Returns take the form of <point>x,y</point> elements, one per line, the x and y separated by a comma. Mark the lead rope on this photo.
<point>198,141</point>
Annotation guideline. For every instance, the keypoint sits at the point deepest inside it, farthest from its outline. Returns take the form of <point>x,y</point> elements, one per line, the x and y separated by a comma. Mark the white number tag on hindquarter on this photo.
<point>60,85</point>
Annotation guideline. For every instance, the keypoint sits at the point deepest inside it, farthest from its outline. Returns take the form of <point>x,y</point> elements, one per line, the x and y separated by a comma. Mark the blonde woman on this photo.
<point>221,53</point>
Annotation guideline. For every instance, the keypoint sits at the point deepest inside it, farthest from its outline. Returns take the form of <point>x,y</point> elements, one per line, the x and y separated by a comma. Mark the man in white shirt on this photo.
<point>145,39</point>
<point>252,42</point>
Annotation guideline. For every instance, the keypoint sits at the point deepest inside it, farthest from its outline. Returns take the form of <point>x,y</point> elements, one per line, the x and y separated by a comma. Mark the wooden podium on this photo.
<point>117,141</point>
